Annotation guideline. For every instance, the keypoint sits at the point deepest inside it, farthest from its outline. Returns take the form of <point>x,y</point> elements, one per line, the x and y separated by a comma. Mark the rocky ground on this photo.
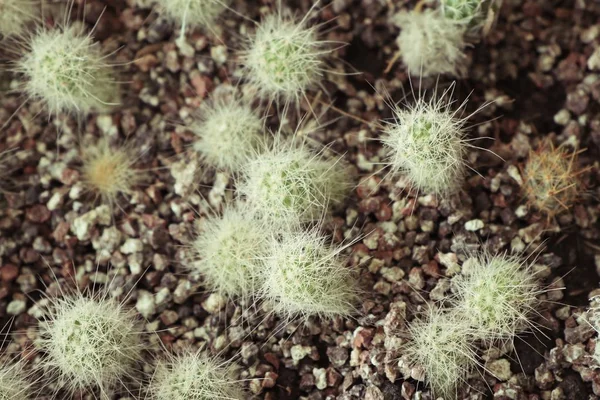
<point>539,67</point>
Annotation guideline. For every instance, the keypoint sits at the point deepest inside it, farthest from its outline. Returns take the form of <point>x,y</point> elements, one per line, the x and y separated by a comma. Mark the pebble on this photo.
<point>320,375</point>
<point>214,303</point>
<point>16,307</point>
<point>500,369</point>
<point>474,225</point>
<point>145,304</point>
<point>82,226</point>
<point>298,352</point>
<point>132,246</point>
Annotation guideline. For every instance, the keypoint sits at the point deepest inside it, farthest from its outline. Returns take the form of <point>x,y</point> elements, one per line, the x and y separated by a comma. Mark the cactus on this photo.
<point>284,58</point>
<point>195,376</point>
<point>230,251</point>
<point>108,172</point>
<point>551,179</point>
<point>68,71</point>
<point>89,342</point>
<point>193,13</point>
<point>292,182</point>
<point>439,345</point>
<point>15,15</point>
<point>305,277</point>
<point>431,44</point>
<point>498,295</point>
<point>426,142</point>
<point>228,133</point>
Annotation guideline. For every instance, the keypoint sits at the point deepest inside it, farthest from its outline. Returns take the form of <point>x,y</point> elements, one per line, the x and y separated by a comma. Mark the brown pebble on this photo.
<point>38,213</point>
<point>9,272</point>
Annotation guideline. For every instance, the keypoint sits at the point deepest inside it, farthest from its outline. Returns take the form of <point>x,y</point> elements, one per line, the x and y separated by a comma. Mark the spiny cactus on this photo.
<point>431,44</point>
<point>90,342</point>
<point>193,13</point>
<point>284,58</point>
<point>195,376</point>
<point>16,14</point>
<point>67,70</point>
<point>426,143</point>
<point>14,382</point>
<point>305,277</point>
<point>230,251</point>
<point>439,345</point>
<point>551,179</point>
<point>474,14</point>
<point>498,295</point>
<point>228,133</point>
<point>292,182</point>
<point>108,171</point>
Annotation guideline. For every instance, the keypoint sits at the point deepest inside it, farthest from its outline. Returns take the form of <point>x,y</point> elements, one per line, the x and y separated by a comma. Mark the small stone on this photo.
<point>562,117</point>
<point>82,226</point>
<point>145,304</point>
<point>298,352</point>
<point>500,369</point>
<point>169,317</point>
<point>38,214</point>
<point>219,54</point>
<point>16,307</point>
<point>9,272</point>
<point>186,174</point>
<point>514,173</point>
<point>320,378</point>
<point>474,225</point>
<point>132,246</point>
<point>214,303</point>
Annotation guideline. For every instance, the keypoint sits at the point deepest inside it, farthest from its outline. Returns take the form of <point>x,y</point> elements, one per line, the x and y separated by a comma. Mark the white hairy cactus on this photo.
<point>426,142</point>
<point>431,44</point>
<point>195,376</point>
<point>228,133</point>
<point>284,58</point>
<point>292,182</point>
<point>498,295</point>
<point>90,342</point>
<point>439,344</point>
<point>68,72</point>
<point>230,251</point>
<point>193,13</point>
<point>14,382</point>
<point>16,14</point>
<point>304,276</point>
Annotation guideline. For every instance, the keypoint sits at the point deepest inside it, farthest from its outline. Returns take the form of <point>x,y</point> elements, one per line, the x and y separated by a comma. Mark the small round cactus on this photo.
<point>426,143</point>
<point>551,179</point>
<point>284,58</point>
<point>291,182</point>
<point>108,172</point>
<point>67,70</point>
<point>195,376</point>
<point>15,15</point>
<point>461,10</point>
<point>431,44</point>
<point>497,295</point>
<point>193,13</point>
<point>439,346</point>
<point>14,384</point>
<point>305,277</point>
<point>228,133</point>
<point>90,342</point>
<point>230,251</point>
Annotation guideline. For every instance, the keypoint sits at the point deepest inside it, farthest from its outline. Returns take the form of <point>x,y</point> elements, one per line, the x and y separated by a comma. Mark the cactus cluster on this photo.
<point>268,244</point>
<point>494,298</point>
